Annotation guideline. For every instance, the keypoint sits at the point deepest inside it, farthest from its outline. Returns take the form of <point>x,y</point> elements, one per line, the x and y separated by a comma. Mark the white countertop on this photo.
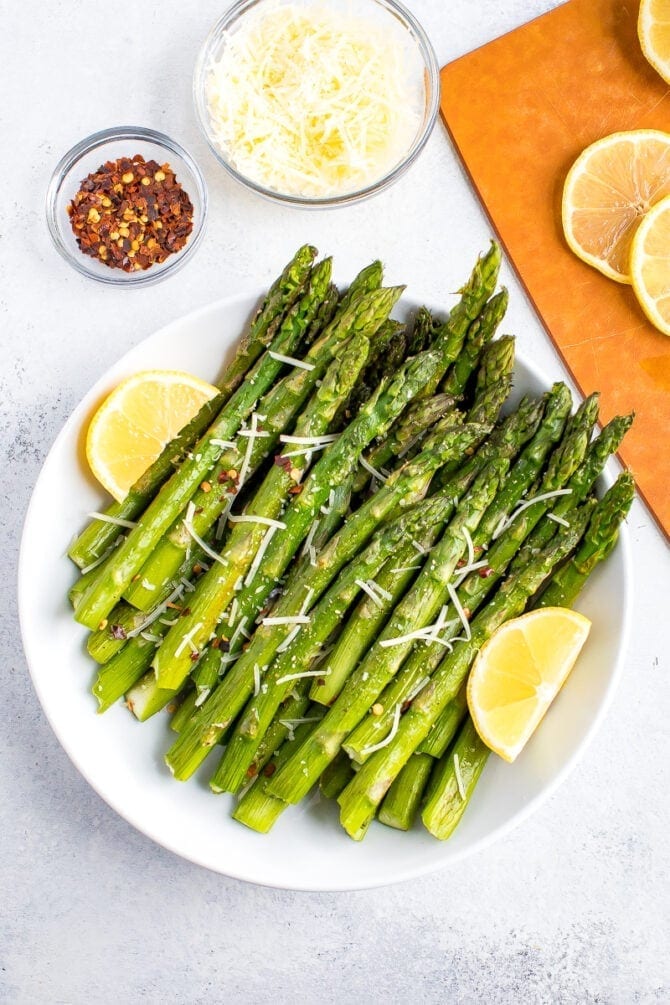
<point>571,907</point>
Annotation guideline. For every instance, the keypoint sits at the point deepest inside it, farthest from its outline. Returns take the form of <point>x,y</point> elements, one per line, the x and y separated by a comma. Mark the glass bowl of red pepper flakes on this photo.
<point>127,206</point>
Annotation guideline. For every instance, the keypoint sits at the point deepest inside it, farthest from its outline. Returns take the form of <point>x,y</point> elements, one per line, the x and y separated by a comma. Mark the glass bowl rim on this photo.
<point>100,139</point>
<point>432,67</point>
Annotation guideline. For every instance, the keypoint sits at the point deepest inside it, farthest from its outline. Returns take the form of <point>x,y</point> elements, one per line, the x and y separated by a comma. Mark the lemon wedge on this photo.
<point>519,672</point>
<point>137,420</point>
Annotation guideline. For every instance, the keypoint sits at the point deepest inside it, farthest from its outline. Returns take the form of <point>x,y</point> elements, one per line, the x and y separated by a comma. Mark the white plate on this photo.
<point>122,759</point>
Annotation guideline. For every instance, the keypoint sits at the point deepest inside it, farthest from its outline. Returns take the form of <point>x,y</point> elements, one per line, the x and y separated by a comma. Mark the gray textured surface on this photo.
<point>572,907</point>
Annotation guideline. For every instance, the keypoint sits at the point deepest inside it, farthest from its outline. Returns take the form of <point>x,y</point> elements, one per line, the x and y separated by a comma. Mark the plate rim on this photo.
<point>417,869</point>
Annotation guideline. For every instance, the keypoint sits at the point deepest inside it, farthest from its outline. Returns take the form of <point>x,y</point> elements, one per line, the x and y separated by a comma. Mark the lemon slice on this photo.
<point>653,29</point>
<point>608,190</point>
<point>137,420</point>
<point>519,672</point>
<point>650,265</point>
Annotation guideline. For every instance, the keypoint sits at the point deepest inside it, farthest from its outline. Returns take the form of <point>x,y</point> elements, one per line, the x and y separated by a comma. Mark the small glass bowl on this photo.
<point>427,80</point>
<point>86,157</point>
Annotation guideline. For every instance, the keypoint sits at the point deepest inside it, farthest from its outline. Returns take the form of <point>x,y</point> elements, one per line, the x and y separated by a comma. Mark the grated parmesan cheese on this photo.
<point>291,360</point>
<point>366,751</point>
<point>104,518</point>
<point>459,777</point>
<point>315,102</point>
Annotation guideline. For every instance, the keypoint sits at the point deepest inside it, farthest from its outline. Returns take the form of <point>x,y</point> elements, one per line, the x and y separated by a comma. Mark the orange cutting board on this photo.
<point>519,111</point>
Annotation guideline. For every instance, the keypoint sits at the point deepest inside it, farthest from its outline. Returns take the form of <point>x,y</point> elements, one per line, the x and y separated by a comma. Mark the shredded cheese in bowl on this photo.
<point>313,100</point>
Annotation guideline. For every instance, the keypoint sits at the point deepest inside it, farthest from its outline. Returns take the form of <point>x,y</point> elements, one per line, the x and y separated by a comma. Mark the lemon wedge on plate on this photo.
<point>519,672</point>
<point>653,29</point>
<point>137,420</point>
<point>608,190</point>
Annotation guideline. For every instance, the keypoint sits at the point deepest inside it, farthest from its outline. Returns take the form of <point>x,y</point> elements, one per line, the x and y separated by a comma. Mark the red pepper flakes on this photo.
<point>195,657</point>
<point>269,769</point>
<point>131,214</point>
<point>486,572</point>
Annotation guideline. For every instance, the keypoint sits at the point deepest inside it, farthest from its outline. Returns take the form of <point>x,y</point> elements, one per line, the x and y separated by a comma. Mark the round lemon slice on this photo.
<point>653,29</point>
<point>519,672</point>
<point>650,265</point>
<point>608,190</point>
<point>137,420</point>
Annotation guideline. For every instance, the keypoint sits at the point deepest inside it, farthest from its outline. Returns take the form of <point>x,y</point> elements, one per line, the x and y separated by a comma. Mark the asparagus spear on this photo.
<point>360,799</point>
<point>454,782</point>
<point>494,379</point>
<point>581,483</point>
<point>96,538</point>
<point>258,810</point>
<point>294,707</point>
<point>126,667</point>
<point>448,798</point>
<point>446,725</point>
<point>184,710</point>
<point>118,571</point>
<point>90,573</point>
<point>423,331</point>
<point>480,332</point>
<point>224,705</point>
<point>367,280</point>
<point>599,540</point>
<point>406,433</point>
<point>402,800</point>
<point>530,462</point>
<point>338,774</point>
<point>324,315</point>
<point>389,354</point>
<point>417,611</point>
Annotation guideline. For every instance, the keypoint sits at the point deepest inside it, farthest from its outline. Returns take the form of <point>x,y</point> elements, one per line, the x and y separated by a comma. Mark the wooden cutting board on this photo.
<point>519,111</point>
